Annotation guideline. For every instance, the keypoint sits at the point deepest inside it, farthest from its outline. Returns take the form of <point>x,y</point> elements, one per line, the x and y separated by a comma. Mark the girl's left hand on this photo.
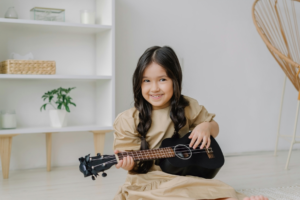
<point>200,133</point>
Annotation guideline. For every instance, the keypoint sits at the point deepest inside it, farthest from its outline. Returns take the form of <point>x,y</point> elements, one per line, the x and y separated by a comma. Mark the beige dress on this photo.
<point>157,184</point>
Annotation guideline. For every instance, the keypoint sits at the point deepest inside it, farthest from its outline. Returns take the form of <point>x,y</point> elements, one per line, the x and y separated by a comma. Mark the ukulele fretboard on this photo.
<point>149,154</point>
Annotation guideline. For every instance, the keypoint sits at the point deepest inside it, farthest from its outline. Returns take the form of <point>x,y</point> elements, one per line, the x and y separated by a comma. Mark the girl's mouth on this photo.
<point>156,96</point>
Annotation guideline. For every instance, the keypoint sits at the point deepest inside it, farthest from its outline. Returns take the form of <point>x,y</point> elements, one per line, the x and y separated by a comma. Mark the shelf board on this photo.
<point>53,26</point>
<point>48,129</point>
<point>63,77</point>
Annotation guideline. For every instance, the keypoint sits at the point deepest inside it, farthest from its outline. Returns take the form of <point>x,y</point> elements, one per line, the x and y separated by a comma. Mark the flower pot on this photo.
<point>58,118</point>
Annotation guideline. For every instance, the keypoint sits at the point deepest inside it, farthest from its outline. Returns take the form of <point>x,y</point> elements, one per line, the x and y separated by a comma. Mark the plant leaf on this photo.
<point>72,103</point>
<point>67,107</point>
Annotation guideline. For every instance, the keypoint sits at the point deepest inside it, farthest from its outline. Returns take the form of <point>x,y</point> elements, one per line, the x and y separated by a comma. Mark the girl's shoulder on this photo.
<point>129,114</point>
<point>193,109</point>
<point>191,100</point>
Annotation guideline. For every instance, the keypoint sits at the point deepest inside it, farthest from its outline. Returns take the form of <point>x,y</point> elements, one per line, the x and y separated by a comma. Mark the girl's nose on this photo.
<point>154,87</point>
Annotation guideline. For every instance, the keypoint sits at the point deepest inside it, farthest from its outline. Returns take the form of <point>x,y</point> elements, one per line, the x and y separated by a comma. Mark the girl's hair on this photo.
<point>166,58</point>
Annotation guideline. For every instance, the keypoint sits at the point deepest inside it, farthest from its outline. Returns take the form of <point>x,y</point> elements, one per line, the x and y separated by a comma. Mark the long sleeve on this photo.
<point>125,135</point>
<point>196,114</point>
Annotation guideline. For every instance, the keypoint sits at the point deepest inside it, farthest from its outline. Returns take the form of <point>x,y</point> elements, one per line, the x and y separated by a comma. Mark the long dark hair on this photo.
<point>166,58</point>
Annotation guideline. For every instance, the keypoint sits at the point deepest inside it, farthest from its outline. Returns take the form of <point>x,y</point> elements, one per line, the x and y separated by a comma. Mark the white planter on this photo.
<point>58,118</point>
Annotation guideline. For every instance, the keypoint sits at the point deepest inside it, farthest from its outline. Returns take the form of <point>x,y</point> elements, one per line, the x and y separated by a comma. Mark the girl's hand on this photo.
<point>127,163</point>
<point>200,133</point>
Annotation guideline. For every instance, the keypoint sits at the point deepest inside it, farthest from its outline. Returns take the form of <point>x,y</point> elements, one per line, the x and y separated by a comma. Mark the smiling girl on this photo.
<point>160,111</point>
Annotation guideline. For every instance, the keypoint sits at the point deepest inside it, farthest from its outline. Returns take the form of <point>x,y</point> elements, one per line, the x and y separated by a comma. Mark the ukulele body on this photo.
<point>188,161</point>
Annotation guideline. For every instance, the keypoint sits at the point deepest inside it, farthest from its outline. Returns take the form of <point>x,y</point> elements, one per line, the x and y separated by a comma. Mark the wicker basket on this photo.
<point>27,67</point>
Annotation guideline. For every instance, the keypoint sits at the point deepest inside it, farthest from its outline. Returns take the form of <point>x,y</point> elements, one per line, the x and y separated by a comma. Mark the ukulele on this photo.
<point>175,157</point>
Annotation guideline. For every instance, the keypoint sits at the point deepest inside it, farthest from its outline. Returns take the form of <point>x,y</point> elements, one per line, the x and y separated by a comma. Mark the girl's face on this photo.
<point>157,87</point>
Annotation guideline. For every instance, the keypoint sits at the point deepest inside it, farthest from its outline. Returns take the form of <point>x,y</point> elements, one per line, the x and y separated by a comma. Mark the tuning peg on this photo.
<point>87,158</point>
<point>98,154</point>
<point>81,159</point>
<point>104,174</point>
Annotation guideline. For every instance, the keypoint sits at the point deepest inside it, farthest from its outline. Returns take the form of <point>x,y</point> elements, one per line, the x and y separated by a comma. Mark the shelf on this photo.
<point>53,26</point>
<point>48,129</point>
<point>63,77</point>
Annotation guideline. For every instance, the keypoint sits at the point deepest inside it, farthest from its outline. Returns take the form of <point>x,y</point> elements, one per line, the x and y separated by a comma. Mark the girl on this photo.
<point>160,111</point>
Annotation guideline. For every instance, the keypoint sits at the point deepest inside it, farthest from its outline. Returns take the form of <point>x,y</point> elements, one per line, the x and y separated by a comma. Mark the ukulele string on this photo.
<point>142,153</point>
<point>112,161</point>
<point>157,149</point>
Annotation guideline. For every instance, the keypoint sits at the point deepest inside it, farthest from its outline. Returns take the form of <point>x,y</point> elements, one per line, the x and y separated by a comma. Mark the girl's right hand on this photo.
<point>127,163</point>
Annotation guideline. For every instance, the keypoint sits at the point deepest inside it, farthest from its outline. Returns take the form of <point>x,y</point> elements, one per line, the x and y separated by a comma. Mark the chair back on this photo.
<point>276,23</point>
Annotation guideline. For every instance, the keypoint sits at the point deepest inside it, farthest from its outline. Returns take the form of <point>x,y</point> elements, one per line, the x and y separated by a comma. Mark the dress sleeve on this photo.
<point>125,135</point>
<point>196,114</point>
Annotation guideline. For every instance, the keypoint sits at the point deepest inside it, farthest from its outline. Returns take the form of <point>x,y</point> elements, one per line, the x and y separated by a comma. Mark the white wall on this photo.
<point>226,65</point>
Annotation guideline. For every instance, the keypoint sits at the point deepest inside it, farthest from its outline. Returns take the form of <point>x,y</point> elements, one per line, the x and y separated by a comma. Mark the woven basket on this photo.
<point>27,67</point>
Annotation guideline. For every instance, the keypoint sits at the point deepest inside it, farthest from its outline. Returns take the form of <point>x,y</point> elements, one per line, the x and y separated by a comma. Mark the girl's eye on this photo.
<point>163,79</point>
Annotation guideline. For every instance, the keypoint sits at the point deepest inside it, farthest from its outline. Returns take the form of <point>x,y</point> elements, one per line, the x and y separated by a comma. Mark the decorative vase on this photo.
<point>8,119</point>
<point>58,118</point>
<point>87,17</point>
<point>11,13</point>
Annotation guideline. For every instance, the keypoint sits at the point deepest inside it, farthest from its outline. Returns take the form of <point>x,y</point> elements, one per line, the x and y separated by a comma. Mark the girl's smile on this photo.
<point>157,87</point>
<point>156,96</point>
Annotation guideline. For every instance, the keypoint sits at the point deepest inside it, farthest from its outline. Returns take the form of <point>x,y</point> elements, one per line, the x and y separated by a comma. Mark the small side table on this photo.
<point>7,135</point>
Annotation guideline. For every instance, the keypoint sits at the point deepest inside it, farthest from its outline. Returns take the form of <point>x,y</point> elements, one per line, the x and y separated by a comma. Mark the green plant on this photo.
<point>62,98</point>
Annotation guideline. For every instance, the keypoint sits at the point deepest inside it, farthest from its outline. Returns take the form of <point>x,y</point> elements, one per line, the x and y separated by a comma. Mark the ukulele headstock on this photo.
<point>91,166</point>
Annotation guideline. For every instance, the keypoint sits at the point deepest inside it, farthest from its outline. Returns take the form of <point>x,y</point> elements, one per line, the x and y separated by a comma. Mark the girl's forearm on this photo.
<point>214,128</point>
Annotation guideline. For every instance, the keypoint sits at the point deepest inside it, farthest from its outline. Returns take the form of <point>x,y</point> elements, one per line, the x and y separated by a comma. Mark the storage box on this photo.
<point>27,67</point>
<point>47,14</point>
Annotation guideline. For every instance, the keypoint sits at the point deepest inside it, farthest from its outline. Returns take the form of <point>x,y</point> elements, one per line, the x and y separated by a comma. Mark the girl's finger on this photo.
<point>130,162</point>
<point>198,142</point>
<point>204,142</point>
<point>119,164</point>
<point>193,140</point>
<point>208,143</point>
<point>191,135</point>
<point>124,162</point>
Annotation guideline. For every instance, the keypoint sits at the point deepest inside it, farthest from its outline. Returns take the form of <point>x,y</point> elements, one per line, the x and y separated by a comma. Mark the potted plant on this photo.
<point>58,116</point>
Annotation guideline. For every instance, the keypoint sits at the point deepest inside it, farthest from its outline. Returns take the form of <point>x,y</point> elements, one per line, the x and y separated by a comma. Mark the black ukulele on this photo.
<point>175,157</point>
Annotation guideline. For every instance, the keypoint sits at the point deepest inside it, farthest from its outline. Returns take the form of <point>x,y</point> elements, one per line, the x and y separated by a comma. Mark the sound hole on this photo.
<point>182,151</point>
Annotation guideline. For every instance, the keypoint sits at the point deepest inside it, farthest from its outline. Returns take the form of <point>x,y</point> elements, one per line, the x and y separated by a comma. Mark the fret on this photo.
<point>162,153</point>
<point>170,154</point>
<point>149,154</point>
<point>142,154</point>
<point>137,155</point>
<point>165,150</point>
<point>157,153</point>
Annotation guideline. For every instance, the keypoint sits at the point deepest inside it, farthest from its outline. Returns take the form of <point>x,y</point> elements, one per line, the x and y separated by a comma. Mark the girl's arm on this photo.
<point>214,128</point>
<point>203,132</point>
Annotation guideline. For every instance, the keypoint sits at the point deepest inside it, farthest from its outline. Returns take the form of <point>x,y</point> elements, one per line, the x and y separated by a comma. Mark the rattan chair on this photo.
<point>276,23</point>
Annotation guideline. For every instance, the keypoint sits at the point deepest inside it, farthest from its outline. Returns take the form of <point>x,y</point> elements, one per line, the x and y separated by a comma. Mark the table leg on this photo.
<point>48,150</point>
<point>5,151</point>
<point>99,139</point>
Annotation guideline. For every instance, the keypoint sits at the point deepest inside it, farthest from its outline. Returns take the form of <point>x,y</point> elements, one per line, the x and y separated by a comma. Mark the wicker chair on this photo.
<point>276,23</point>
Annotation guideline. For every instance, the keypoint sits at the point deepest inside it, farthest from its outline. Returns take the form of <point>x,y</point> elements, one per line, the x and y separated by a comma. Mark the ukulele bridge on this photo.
<point>209,152</point>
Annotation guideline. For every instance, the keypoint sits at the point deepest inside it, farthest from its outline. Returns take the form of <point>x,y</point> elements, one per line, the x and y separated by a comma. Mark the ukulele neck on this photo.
<point>149,154</point>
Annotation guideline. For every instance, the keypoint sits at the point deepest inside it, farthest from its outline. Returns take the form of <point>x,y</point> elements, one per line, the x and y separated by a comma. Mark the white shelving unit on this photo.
<point>85,59</point>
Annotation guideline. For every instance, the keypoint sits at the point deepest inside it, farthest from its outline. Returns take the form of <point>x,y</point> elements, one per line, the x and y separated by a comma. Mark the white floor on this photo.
<point>246,171</point>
